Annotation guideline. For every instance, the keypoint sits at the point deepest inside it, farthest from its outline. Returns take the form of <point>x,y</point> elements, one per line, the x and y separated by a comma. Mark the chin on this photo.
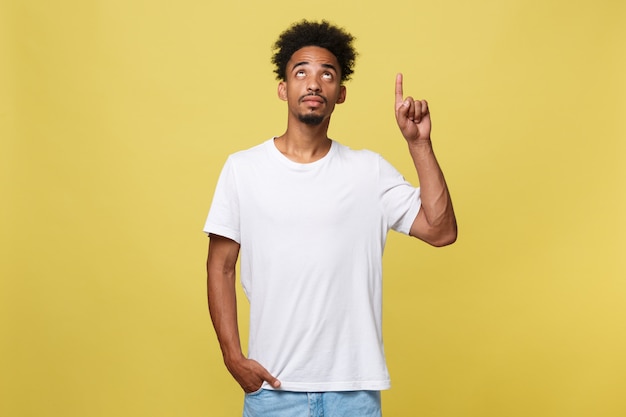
<point>311,119</point>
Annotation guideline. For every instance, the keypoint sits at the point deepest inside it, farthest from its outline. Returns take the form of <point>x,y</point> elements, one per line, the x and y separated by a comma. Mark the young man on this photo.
<point>310,218</point>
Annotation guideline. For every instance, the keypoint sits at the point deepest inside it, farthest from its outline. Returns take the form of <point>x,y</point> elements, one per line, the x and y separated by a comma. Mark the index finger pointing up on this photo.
<point>399,92</point>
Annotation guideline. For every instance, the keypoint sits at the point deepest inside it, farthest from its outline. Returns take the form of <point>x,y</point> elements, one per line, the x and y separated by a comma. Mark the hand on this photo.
<point>250,374</point>
<point>413,116</point>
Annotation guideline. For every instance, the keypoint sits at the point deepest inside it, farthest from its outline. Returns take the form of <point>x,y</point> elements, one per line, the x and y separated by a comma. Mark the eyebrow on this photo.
<point>304,63</point>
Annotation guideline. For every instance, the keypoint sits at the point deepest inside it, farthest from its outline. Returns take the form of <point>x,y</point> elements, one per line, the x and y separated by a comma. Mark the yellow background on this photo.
<point>116,117</point>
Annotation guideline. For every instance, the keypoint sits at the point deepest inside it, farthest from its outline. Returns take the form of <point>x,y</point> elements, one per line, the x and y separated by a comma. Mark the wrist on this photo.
<point>234,363</point>
<point>420,144</point>
<point>233,357</point>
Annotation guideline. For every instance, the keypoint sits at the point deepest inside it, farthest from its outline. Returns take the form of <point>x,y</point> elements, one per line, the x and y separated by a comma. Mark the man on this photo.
<point>310,217</point>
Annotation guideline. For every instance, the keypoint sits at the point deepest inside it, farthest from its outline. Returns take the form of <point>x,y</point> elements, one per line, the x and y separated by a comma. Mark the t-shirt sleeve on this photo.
<point>223,218</point>
<point>400,200</point>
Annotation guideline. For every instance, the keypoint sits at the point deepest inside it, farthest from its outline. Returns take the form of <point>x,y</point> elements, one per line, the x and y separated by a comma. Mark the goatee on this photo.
<point>311,119</point>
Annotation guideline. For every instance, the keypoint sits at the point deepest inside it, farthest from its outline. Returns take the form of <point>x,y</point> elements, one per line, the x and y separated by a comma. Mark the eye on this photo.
<point>300,73</point>
<point>327,76</point>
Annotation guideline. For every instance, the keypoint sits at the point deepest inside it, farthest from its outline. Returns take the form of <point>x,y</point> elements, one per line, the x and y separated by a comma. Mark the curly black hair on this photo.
<point>322,34</point>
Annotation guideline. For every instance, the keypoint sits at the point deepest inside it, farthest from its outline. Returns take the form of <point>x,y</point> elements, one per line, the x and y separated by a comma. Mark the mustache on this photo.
<point>314,95</point>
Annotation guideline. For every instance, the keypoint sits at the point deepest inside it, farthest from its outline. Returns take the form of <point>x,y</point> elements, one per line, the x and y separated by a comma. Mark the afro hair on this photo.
<point>322,34</point>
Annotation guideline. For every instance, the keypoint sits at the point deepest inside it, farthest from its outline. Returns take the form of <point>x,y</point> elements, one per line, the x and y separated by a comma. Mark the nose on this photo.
<point>313,86</point>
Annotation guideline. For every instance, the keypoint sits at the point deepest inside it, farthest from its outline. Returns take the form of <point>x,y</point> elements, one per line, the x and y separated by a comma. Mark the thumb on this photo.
<point>273,381</point>
<point>270,379</point>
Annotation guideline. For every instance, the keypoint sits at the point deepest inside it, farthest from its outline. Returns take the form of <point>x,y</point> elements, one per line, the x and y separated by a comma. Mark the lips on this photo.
<point>312,98</point>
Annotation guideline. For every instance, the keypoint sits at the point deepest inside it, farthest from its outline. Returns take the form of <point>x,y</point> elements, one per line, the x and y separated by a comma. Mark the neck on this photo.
<point>303,143</point>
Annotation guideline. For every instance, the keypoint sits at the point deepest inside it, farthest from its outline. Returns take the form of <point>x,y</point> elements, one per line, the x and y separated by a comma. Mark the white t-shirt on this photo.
<point>312,239</point>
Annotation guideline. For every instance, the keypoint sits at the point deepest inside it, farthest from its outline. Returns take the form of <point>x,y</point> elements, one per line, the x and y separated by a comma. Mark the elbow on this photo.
<point>442,232</point>
<point>444,236</point>
<point>444,240</point>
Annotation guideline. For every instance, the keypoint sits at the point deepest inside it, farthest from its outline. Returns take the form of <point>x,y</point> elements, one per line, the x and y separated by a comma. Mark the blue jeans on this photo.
<point>268,403</point>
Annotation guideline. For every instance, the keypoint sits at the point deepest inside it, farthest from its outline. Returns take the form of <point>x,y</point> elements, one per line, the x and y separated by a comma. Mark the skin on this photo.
<point>312,89</point>
<point>435,223</point>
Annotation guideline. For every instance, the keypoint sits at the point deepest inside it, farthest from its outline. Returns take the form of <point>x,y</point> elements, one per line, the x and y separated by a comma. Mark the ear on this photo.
<point>282,90</point>
<point>342,94</point>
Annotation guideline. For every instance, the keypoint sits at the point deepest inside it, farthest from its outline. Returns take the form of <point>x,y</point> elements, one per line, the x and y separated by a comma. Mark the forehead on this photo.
<point>313,55</point>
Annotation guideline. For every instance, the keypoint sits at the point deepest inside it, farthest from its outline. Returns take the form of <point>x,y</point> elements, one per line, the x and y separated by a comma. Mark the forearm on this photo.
<point>223,254</point>
<point>223,309</point>
<point>222,300</point>
<point>437,222</point>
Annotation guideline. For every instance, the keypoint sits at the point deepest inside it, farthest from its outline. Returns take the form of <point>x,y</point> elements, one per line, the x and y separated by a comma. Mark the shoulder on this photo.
<point>251,158</point>
<point>365,160</point>
<point>250,153</point>
<point>362,155</point>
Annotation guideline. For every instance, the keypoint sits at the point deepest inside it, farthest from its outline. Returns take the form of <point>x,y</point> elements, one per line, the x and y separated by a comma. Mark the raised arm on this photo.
<point>221,263</point>
<point>435,223</point>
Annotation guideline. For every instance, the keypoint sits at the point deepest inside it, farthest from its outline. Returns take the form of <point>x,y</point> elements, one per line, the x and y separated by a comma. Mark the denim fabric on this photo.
<point>268,403</point>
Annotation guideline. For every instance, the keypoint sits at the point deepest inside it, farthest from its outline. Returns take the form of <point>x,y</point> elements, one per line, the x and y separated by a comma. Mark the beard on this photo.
<point>311,119</point>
